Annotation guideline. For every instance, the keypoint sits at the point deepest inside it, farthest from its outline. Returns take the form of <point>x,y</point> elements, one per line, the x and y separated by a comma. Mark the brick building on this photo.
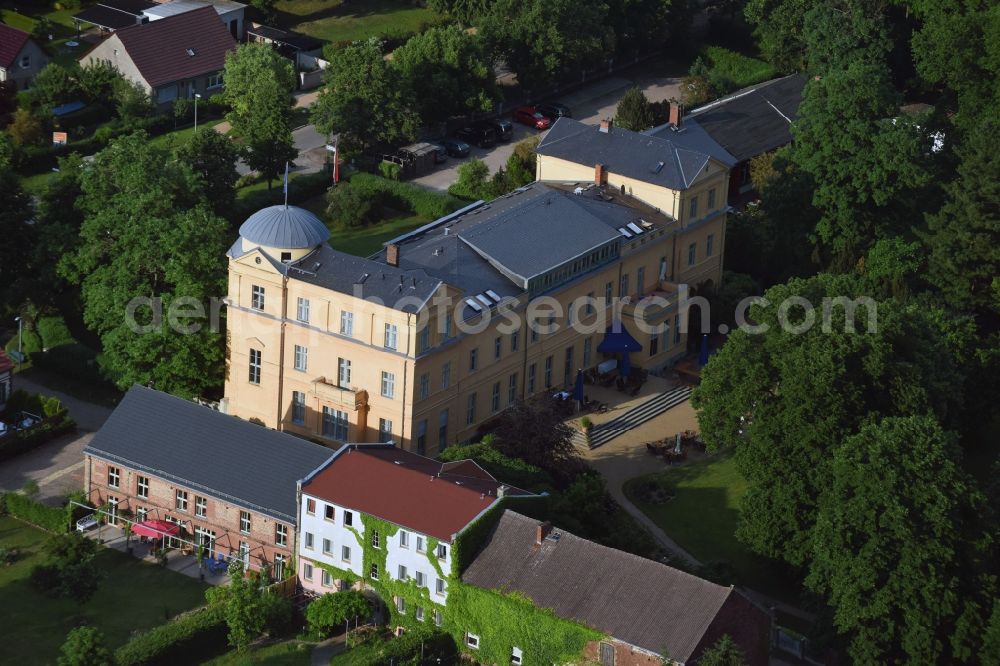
<point>230,484</point>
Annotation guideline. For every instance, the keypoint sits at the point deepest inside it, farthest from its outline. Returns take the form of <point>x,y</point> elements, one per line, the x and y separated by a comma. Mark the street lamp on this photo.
<point>196,98</point>
<point>20,355</point>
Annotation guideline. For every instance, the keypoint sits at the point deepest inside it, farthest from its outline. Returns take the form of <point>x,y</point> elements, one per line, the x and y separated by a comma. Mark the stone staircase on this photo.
<point>605,432</point>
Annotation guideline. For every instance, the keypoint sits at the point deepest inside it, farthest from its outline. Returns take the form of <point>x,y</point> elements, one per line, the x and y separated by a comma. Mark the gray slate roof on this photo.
<point>400,289</point>
<point>683,154</point>
<point>751,121</point>
<point>638,601</point>
<point>221,456</point>
<point>288,227</point>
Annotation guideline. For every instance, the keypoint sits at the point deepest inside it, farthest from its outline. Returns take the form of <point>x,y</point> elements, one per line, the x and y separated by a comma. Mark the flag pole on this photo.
<point>286,184</point>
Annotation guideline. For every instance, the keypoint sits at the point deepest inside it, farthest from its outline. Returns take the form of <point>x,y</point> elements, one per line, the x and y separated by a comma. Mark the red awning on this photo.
<point>156,529</point>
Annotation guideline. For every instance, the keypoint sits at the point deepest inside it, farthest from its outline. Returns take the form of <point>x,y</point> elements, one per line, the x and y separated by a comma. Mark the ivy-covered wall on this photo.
<point>502,621</point>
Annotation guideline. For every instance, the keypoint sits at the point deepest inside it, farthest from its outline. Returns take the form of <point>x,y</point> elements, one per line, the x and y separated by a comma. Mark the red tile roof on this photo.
<point>407,489</point>
<point>12,41</point>
<point>5,362</point>
<point>160,48</point>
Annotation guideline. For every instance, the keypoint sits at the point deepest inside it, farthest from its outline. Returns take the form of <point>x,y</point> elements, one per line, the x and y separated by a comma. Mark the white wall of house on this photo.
<point>414,556</point>
<point>335,531</point>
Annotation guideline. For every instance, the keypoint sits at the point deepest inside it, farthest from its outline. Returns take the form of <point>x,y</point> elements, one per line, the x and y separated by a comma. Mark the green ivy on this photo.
<point>502,621</point>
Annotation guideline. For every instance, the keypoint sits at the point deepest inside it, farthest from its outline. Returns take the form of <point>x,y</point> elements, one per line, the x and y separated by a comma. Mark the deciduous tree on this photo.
<point>786,398</point>
<point>85,646</point>
<point>212,157</point>
<point>149,234</point>
<point>888,540</point>
<point>725,652</point>
<point>331,611</point>
<point>364,100</point>
<point>535,432</point>
<point>55,84</point>
<point>447,73</point>
<point>259,87</point>
<point>26,128</point>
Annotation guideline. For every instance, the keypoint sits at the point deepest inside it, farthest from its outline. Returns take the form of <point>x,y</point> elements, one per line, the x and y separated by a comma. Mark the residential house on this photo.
<point>231,13</point>
<point>175,57</point>
<point>20,57</point>
<point>409,508</point>
<point>747,123</point>
<point>230,484</point>
<point>647,612</point>
<point>6,377</point>
<point>112,15</point>
<point>427,340</point>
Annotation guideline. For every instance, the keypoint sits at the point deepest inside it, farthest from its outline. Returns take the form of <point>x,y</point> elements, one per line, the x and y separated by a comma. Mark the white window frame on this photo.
<point>327,579</point>
<point>142,487</point>
<point>181,500</point>
<point>245,522</point>
<point>301,358</point>
<point>344,372</point>
<point>404,539</point>
<point>307,571</point>
<point>280,535</point>
<point>516,656</point>
<point>347,323</point>
<point>328,547</point>
<point>200,506</point>
<point>310,541</point>
<point>388,384</point>
<point>114,477</point>
<point>391,336</point>
<point>472,640</point>
<point>345,553</point>
<point>257,300</point>
<point>302,310</point>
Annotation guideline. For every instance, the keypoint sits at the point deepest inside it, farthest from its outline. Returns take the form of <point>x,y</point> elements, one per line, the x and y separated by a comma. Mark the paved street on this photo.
<point>659,79</point>
<point>57,465</point>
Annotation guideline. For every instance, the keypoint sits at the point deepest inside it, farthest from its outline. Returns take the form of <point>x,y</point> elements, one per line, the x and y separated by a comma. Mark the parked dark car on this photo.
<point>455,147</point>
<point>554,111</point>
<point>532,117</point>
<point>484,137</point>
<point>503,128</point>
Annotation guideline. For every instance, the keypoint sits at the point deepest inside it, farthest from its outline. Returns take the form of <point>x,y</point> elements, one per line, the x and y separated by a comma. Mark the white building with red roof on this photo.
<point>20,57</point>
<point>421,504</point>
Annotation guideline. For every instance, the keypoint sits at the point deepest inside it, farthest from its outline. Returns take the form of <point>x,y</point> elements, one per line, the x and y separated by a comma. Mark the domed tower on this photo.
<point>284,233</point>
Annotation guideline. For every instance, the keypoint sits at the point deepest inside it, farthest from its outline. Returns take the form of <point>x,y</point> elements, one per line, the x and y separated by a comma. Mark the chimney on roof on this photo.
<point>600,174</point>
<point>676,115</point>
<point>501,491</point>
<point>542,531</point>
<point>606,124</point>
<point>392,254</point>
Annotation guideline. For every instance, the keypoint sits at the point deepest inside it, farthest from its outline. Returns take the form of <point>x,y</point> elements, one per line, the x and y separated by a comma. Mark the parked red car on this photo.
<point>531,117</point>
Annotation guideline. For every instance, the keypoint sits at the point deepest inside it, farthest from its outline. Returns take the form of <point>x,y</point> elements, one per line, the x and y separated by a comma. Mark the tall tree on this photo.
<point>871,168</point>
<point>466,11</point>
<point>259,87</point>
<point>363,99</point>
<point>633,111</point>
<point>148,233</point>
<point>786,399</point>
<point>778,30</point>
<point>964,236</point>
<point>539,39</point>
<point>889,538</point>
<point>212,157</point>
<point>18,237</point>
<point>55,84</point>
<point>447,73</point>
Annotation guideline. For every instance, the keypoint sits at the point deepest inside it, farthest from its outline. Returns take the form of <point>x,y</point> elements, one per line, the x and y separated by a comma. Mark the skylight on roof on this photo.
<point>485,301</point>
<point>494,295</point>
<point>472,304</point>
<point>190,52</point>
<point>624,232</point>
<point>635,227</point>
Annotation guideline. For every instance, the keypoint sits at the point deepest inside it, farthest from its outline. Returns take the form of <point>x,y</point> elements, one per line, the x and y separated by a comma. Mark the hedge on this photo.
<point>412,198</point>
<point>51,518</point>
<point>300,188</point>
<point>202,632</point>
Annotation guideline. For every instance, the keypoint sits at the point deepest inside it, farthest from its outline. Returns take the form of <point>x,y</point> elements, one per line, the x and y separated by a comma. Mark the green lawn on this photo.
<point>175,138</point>
<point>702,517</point>
<point>133,595</point>
<point>336,21</point>
<point>287,653</point>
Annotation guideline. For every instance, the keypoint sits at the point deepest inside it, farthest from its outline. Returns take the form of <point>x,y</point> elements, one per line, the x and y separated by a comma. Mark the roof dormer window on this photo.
<point>190,52</point>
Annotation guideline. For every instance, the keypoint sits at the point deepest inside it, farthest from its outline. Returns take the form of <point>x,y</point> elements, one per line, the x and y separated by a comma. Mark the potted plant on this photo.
<point>588,425</point>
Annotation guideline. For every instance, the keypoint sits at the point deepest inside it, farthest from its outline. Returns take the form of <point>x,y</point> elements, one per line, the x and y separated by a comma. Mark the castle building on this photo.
<point>447,326</point>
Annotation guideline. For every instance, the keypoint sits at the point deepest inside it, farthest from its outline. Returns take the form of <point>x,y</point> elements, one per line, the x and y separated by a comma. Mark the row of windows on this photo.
<point>330,512</point>
<point>693,250</point>
<point>418,611</point>
<point>516,655</point>
<point>693,204</point>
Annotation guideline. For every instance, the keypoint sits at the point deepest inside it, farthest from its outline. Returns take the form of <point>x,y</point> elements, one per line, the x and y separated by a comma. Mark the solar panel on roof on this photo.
<point>485,301</point>
<point>494,295</point>
<point>634,227</point>
<point>624,232</point>
<point>472,304</point>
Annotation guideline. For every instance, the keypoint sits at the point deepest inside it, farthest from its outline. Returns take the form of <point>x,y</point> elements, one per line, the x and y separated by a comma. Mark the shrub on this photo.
<point>54,332</point>
<point>330,611</point>
<point>30,342</point>
<point>513,471</point>
<point>73,360</point>
<point>84,646</point>
<point>389,170</point>
<point>277,612</point>
<point>26,129</point>
<point>201,632</point>
<point>348,206</point>
<point>51,518</point>
<point>740,70</point>
<point>473,181</point>
<point>412,198</point>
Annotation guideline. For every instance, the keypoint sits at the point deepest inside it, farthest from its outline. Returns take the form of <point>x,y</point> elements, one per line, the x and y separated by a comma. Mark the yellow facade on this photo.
<point>428,398</point>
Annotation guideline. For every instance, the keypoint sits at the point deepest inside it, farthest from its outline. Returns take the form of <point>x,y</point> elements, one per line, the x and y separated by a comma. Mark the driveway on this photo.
<point>57,466</point>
